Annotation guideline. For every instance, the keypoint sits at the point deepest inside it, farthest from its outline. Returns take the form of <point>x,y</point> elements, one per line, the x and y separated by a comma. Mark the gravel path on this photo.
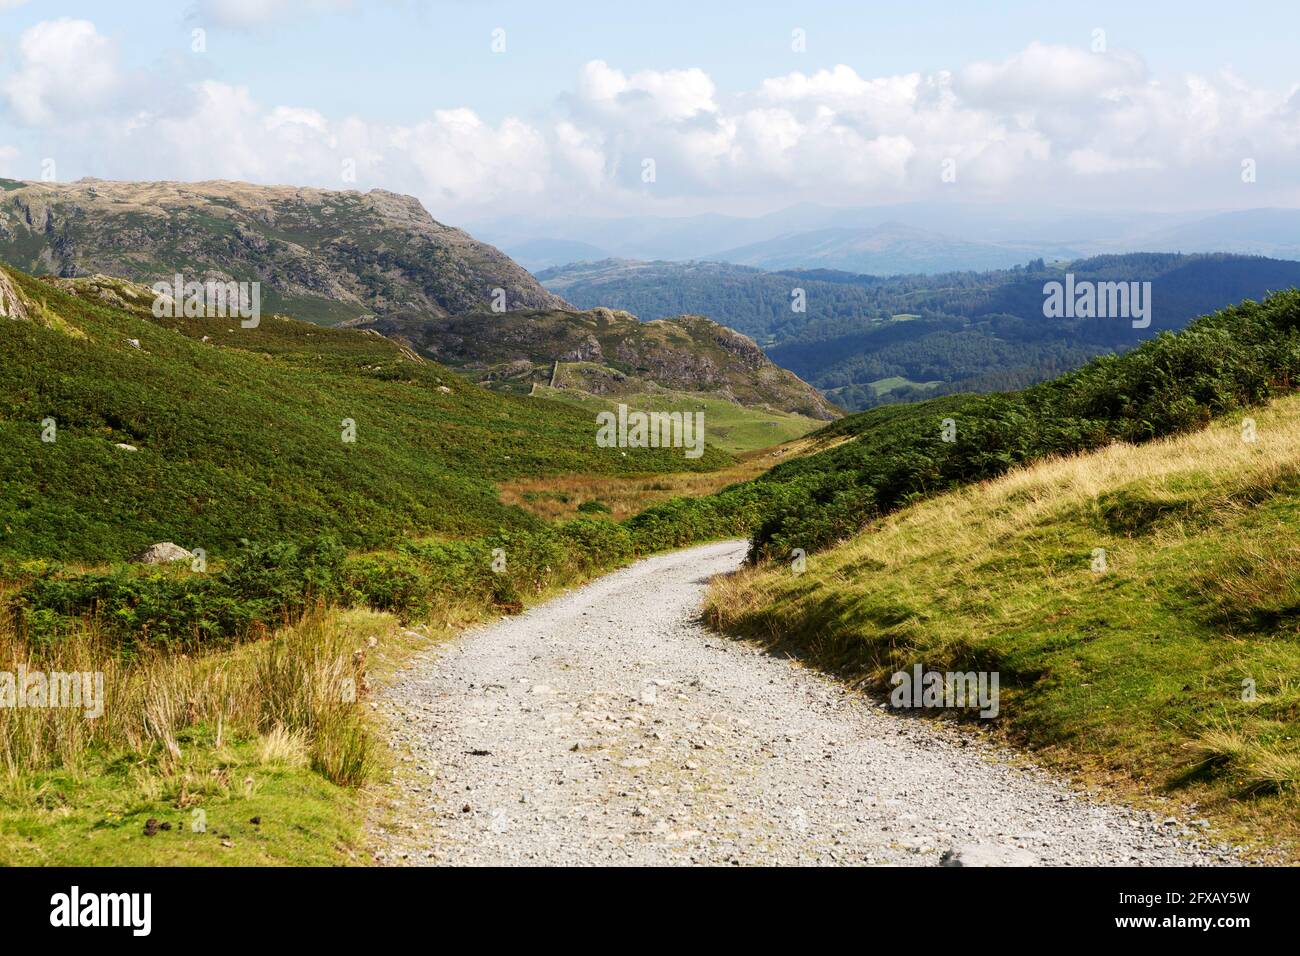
<point>609,727</point>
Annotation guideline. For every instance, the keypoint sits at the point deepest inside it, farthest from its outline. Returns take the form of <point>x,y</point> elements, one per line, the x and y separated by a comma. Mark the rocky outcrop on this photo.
<point>12,303</point>
<point>327,255</point>
<point>614,351</point>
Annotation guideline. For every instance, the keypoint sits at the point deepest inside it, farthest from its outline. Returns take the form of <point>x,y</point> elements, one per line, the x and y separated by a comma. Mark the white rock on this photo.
<point>12,305</point>
<point>987,854</point>
<point>161,553</point>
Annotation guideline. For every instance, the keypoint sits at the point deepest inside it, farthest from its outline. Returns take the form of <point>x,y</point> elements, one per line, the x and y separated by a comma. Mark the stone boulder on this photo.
<point>162,553</point>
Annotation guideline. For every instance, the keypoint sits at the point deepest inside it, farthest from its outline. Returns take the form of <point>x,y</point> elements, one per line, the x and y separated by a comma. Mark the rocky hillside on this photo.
<point>320,255</point>
<point>618,355</point>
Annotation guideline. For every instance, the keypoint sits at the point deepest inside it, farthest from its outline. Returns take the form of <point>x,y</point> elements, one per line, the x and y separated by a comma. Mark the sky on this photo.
<point>492,109</point>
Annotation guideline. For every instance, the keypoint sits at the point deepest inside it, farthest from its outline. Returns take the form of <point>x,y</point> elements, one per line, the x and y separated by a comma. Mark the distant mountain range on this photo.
<point>921,237</point>
<point>887,249</point>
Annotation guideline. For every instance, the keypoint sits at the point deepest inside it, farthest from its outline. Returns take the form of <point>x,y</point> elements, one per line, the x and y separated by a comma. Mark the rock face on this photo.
<point>12,305</point>
<point>162,553</point>
<point>327,255</point>
<point>612,352</point>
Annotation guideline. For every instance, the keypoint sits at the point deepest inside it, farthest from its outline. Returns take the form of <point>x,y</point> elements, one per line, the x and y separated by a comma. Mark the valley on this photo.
<point>443,435</point>
<point>867,340</point>
<point>345,493</point>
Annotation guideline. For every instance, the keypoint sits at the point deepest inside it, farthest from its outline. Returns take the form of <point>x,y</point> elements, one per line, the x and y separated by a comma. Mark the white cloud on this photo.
<point>1045,124</point>
<point>66,69</point>
<point>654,95</point>
<point>1043,75</point>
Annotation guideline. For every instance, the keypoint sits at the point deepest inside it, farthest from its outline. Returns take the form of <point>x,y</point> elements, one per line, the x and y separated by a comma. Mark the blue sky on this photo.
<point>1012,93</point>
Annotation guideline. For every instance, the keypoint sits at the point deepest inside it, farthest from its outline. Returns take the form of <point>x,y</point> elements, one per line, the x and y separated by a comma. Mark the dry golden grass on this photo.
<point>1219,462</point>
<point>559,497</point>
<point>283,748</point>
<point>302,687</point>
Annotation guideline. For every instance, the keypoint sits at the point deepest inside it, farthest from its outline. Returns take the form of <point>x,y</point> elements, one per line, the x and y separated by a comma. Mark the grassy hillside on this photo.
<point>321,255</point>
<point>239,434</point>
<point>1135,672</point>
<point>619,355</point>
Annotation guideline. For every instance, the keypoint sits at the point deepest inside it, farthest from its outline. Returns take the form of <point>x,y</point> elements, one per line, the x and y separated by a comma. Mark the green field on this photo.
<point>885,385</point>
<point>730,427</point>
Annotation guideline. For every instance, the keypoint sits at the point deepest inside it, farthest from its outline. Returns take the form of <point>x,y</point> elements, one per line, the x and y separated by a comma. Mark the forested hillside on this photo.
<point>869,340</point>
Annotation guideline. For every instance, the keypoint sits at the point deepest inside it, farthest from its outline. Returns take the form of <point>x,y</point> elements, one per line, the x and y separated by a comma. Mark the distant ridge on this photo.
<point>320,254</point>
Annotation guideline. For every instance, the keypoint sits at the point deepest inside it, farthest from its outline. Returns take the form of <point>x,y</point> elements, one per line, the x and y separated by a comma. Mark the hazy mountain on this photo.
<point>319,254</point>
<point>962,236</point>
<point>637,237</point>
<point>887,249</point>
<point>1263,232</point>
<point>537,254</point>
<point>1048,232</point>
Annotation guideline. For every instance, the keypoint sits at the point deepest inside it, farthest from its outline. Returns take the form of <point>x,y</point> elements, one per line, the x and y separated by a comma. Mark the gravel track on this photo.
<point>609,727</point>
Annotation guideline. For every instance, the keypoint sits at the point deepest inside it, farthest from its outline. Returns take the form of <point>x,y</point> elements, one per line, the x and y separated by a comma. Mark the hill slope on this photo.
<point>750,300</point>
<point>620,355</point>
<point>320,254</point>
<point>866,340</point>
<point>240,432</point>
<point>1171,664</point>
